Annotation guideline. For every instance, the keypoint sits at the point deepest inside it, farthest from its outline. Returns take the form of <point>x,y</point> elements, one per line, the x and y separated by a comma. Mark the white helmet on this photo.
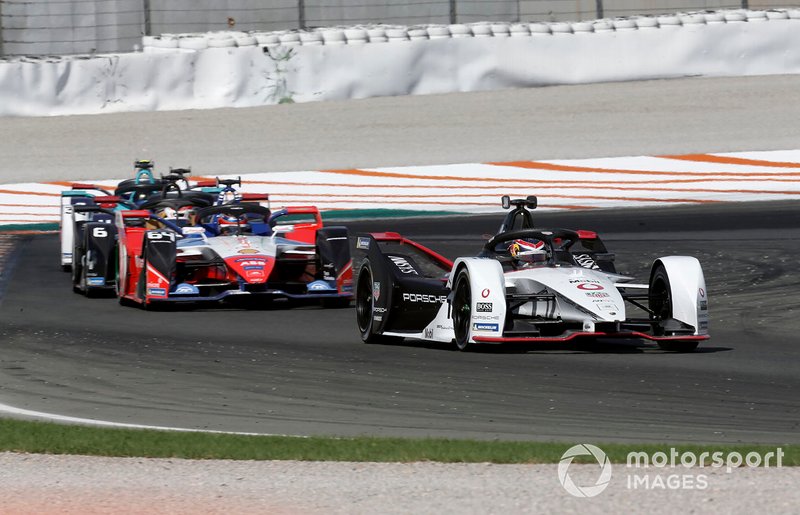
<point>528,251</point>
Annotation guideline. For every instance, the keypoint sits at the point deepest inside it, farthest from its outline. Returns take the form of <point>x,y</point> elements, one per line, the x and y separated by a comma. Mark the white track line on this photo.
<point>11,410</point>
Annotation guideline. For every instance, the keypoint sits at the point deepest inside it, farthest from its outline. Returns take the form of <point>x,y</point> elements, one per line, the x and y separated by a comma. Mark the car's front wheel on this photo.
<point>462,310</point>
<point>661,306</point>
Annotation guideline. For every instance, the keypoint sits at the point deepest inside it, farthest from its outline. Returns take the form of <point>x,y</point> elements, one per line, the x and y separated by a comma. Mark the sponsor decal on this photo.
<point>376,290</point>
<point>590,287</point>
<point>319,286</point>
<point>250,261</point>
<point>96,281</point>
<point>703,305</point>
<point>157,292</point>
<point>378,309</point>
<point>377,318</point>
<point>421,297</point>
<point>247,251</point>
<point>597,294</point>
<point>428,332</point>
<point>573,281</point>
<point>480,326</point>
<point>701,292</point>
<point>586,261</point>
<point>483,307</point>
<point>186,289</point>
<point>486,317</point>
<point>485,293</point>
<point>362,243</point>
<point>403,265</point>
<point>444,327</point>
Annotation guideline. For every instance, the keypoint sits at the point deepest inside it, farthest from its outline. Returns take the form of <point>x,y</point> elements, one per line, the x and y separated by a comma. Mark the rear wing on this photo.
<point>82,188</point>
<point>370,245</point>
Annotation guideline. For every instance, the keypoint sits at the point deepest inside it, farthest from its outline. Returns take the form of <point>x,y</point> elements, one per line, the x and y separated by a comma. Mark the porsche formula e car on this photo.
<point>240,250</point>
<point>526,285</point>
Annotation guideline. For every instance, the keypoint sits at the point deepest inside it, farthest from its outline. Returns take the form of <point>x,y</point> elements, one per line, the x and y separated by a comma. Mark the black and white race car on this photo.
<point>527,284</point>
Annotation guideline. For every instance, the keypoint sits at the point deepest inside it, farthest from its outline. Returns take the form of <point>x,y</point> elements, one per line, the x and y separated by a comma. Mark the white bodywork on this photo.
<point>67,232</point>
<point>581,295</point>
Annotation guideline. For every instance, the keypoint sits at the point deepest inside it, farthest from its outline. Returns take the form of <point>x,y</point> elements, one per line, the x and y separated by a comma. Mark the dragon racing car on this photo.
<point>526,285</point>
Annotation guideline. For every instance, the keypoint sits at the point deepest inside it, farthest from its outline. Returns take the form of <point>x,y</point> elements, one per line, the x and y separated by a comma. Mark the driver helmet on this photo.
<point>228,196</point>
<point>183,217</point>
<point>187,216</point>
<point>528,251</point>
<point>231,225</point>
<point>167,213</point>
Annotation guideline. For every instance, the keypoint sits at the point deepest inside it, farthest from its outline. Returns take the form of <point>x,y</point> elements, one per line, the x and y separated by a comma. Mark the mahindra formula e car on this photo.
<point>240,250</point>
<point>526,285</point>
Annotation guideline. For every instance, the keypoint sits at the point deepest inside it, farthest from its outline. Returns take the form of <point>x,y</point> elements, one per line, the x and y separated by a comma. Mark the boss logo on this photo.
<point>419,297</point>
<point>483,307</point>
<point>403,265</point>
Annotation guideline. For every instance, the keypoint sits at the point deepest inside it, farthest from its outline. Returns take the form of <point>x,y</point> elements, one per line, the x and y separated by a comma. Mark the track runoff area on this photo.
<point>476,187</point>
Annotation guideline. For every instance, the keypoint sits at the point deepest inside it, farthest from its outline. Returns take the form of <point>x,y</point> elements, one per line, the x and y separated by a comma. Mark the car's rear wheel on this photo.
<point>462,310</point>
<point>661,306</point>
<point>365,308</point>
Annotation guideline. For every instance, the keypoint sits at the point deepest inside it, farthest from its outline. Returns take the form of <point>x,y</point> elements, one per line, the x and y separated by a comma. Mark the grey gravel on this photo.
<point>78,484</point>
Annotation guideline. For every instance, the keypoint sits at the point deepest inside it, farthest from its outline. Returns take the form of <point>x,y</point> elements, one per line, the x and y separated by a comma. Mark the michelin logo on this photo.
<point>485,327</point>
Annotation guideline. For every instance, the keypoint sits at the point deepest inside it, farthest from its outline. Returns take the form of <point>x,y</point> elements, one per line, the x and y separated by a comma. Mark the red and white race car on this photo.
<point>236,250</point>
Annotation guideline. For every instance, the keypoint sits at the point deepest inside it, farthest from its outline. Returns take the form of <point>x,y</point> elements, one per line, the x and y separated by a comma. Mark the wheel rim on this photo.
<point>462,311</point>
<point>364,300</point>
<point>662,308</point>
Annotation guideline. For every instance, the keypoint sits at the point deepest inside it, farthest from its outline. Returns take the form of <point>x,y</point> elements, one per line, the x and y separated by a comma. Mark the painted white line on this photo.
<point>5,408</point>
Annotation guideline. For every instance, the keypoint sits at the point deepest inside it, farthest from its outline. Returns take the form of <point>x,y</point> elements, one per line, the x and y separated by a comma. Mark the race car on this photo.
<point>85,203</point>
<point>127,193</point>
<point>94,245</point>
<point>239,250</point>
<point>526,285</point>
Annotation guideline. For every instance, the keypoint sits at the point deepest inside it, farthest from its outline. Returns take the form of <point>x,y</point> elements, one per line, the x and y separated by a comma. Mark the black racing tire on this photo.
<point>462,311</point>
<point>77,270</point>
<point>661,304</point>
<point>365,304</point>
<point>660,301</point>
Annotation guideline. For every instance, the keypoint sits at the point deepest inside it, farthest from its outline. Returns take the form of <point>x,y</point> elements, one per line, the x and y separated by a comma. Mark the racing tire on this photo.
<point>462,311</point>
<point>77,270</point>
<point>365,304</point>
<point>661,306</point>
<point>66,268</point>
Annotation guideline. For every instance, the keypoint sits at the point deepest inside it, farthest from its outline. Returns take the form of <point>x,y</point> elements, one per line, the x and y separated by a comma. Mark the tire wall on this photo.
<point>233,69</point>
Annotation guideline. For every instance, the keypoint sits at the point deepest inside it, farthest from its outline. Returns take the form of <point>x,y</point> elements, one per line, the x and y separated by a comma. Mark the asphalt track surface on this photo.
<point>305,370</point>
<point>598,120</point>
